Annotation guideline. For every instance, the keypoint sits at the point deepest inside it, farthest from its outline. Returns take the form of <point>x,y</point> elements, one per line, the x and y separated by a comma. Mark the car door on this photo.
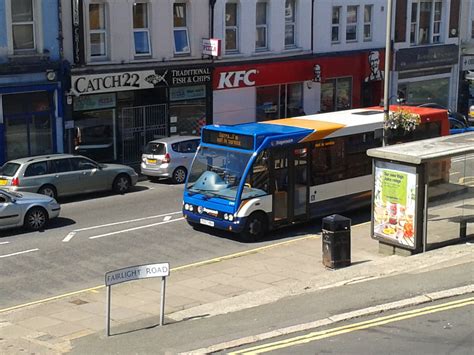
<point>91,177</point>
<point>65,179</point>
<point>10,212</point>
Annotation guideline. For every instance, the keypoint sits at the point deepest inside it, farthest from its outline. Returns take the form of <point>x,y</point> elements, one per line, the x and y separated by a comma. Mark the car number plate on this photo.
<point>3,181</point>
<point>151,161</point>
<point>206,222</point>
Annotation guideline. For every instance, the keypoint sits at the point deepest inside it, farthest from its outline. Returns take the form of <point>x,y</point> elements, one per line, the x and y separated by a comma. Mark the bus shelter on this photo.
<point>423,193</point>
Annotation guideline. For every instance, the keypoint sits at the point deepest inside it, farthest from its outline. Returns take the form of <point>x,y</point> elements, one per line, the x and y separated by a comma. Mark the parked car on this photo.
<point>169,158</point>
<point>59,175</point>
<point>26,209</point>
<point>456,126</point>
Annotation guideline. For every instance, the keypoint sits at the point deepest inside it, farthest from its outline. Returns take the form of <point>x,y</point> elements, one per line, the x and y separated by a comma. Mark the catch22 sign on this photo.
<point>149,79</point>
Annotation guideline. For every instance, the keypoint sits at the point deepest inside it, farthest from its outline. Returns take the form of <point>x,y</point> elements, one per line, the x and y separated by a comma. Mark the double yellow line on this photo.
<point>303,339</point>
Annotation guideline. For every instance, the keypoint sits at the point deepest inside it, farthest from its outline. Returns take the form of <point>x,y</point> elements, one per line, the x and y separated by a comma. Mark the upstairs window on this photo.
<point>426,22</point>
<point>351,25</point>
<point>336,24</point>
<point>231,28</point>
<point>23,25</point>
<point>261,35</point>
<point>181,37</point>
<point>97,31</point>
<point>368,22</point>
<point>141,32</point>
<point>290,23</point>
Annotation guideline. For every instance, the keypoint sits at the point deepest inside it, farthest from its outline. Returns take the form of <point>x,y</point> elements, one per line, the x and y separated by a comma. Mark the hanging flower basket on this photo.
<point>402,119</point>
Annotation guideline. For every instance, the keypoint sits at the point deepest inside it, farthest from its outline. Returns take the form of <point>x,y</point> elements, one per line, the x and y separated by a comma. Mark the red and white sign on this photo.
<point>235,79</point>
<point>211,46</point>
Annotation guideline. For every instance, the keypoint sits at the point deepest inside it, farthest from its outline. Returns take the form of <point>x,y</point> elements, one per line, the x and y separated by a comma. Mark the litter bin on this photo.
<point>336,241</point>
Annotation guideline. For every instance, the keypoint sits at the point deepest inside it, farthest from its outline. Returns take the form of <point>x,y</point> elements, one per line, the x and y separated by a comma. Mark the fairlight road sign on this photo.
<point>137,272</point>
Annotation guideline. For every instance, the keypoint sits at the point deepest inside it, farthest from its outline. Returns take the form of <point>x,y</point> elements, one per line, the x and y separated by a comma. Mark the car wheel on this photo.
<point>179,175</point>
<point>121,184</point>
<point>48,190</point>
<point>255,227</point>
<point>36,218</point>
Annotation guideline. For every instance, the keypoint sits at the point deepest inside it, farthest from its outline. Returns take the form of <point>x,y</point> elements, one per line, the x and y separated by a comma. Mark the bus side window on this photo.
<point>259,178</point>
<point>328,161</point>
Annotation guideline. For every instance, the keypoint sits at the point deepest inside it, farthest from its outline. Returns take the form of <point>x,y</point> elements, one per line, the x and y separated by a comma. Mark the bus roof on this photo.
<point>330,125</point>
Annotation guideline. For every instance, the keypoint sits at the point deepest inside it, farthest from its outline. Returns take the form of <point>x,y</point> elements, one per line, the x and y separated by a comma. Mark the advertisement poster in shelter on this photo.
<point>395,206</point>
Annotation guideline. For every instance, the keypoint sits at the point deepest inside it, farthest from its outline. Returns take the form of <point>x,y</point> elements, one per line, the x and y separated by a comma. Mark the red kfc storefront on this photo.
<point>261,91</point>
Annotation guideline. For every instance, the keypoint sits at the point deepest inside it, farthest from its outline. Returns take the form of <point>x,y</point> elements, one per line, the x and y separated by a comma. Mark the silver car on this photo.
<point>169,158</point>
<point>26,209</point>
<point>59,175</point>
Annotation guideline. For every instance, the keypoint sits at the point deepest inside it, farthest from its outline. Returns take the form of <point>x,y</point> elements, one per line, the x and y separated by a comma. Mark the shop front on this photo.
<point>114,115</point>
<point>28,124</point>
<point>466,88</point>
<point>426,74</point>
<point>266,91</point>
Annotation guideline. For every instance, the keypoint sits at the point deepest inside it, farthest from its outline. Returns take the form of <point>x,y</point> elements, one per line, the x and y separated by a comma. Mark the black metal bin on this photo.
<point>336,241</point>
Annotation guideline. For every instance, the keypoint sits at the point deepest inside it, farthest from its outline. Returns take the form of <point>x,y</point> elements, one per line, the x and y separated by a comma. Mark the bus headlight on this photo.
<point>231,217</point>
<point>226,216</point>
<point>186,207</point>
<point>191,208</point>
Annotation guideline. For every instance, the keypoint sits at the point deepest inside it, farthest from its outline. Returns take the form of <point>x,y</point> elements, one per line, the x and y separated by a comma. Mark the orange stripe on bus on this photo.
<point>322,128</point>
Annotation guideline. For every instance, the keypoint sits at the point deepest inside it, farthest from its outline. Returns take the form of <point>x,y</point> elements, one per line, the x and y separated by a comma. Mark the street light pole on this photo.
<point>388,54</point>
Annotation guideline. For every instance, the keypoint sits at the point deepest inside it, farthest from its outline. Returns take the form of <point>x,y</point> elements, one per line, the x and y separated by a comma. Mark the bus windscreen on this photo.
<point>233,140</point>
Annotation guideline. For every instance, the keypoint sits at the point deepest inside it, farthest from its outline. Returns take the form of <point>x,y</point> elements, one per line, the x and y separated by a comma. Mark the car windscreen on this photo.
<point>155,148</point>
<point>9,169</point>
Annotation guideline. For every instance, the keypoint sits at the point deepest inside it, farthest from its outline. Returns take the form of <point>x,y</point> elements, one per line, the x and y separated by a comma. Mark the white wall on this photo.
<point>323,21</point>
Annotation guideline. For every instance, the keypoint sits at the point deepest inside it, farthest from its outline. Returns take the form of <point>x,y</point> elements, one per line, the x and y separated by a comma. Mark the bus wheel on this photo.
<point>255,227</point>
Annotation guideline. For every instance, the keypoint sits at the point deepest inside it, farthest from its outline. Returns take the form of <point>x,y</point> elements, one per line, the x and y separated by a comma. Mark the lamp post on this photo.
<point>388,54</point>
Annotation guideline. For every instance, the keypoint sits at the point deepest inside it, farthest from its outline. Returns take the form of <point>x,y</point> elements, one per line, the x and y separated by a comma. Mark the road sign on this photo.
<point>137,272</point>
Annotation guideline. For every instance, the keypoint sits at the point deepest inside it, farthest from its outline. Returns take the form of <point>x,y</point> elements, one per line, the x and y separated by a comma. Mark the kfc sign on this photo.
<point>235,79</point>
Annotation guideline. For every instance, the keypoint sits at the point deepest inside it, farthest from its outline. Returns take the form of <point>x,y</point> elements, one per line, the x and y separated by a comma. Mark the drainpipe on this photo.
<point>60,31</point>
<point>211,20</point>
<point>312,26</point>
<point>388,54</point>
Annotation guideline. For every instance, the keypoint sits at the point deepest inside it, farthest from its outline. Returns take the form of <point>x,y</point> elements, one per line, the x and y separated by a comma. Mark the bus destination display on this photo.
<point>228,139</point>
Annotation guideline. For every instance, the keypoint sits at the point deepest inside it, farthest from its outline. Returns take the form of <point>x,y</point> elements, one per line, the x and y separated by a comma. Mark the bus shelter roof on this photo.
<point>429,149</point>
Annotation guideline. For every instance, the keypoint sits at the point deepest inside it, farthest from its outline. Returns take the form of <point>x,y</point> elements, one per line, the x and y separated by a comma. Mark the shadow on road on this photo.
<point>96,195</point>
<point>58,222</point>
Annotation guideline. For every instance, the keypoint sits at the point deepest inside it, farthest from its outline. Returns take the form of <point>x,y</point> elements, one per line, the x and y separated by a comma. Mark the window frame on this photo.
<point>142,30</point>
<point>181,28</point>
<point>433,37</point>
<point>33,24</point>
<point>98,31</point>
<point>368,22</point>
<point>261,26</point>
<point>291,24</point>
<point>336,25</point>
<point>234,28</point>
<point>352,24</point>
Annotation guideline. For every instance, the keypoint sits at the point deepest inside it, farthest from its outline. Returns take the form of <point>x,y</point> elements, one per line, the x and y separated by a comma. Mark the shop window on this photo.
<point>336,24</point>
<point>181,37</point>
<point>351,23</point>
<point>336,94</point>
<point>426,91</point>
<point>97,31</point>
<point>262,27</point>
<point>231,28</point>
<point>426,22</point>
<point>141,32</point>
<point>279,101</point>
<point>368,22</point>
<point>23,25</point>
<point>290,23</point>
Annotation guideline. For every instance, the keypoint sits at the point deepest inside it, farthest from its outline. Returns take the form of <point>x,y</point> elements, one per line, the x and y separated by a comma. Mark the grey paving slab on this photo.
<point>39,322</point>
<point>227,290</point>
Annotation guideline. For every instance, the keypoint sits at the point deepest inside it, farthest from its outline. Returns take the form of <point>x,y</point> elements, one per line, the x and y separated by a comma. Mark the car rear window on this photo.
<point>10,169</point>
<point>155,148</point>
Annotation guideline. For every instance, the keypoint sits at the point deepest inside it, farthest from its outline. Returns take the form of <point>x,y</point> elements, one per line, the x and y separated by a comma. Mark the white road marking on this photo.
<point>69,237</point>
<point>134,229</point>
<point>4,243</point>
<point>18,253</point>
<point>167,218</point>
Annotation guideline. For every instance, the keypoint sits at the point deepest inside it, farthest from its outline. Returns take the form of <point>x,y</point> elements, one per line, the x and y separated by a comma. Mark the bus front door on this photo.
<point>289,172</point>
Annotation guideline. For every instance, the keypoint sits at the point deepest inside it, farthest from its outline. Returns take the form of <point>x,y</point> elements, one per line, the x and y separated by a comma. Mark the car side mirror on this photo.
<point>13,200</point>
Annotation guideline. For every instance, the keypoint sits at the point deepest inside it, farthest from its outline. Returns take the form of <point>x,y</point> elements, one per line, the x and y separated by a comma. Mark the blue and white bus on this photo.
<point>254,177</point>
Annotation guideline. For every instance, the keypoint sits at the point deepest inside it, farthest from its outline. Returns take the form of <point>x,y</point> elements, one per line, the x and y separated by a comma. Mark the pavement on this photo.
<point>201,295</point>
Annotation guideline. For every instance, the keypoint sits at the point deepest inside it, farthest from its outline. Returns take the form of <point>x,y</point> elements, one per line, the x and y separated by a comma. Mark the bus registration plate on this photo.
<point>206,222</point>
